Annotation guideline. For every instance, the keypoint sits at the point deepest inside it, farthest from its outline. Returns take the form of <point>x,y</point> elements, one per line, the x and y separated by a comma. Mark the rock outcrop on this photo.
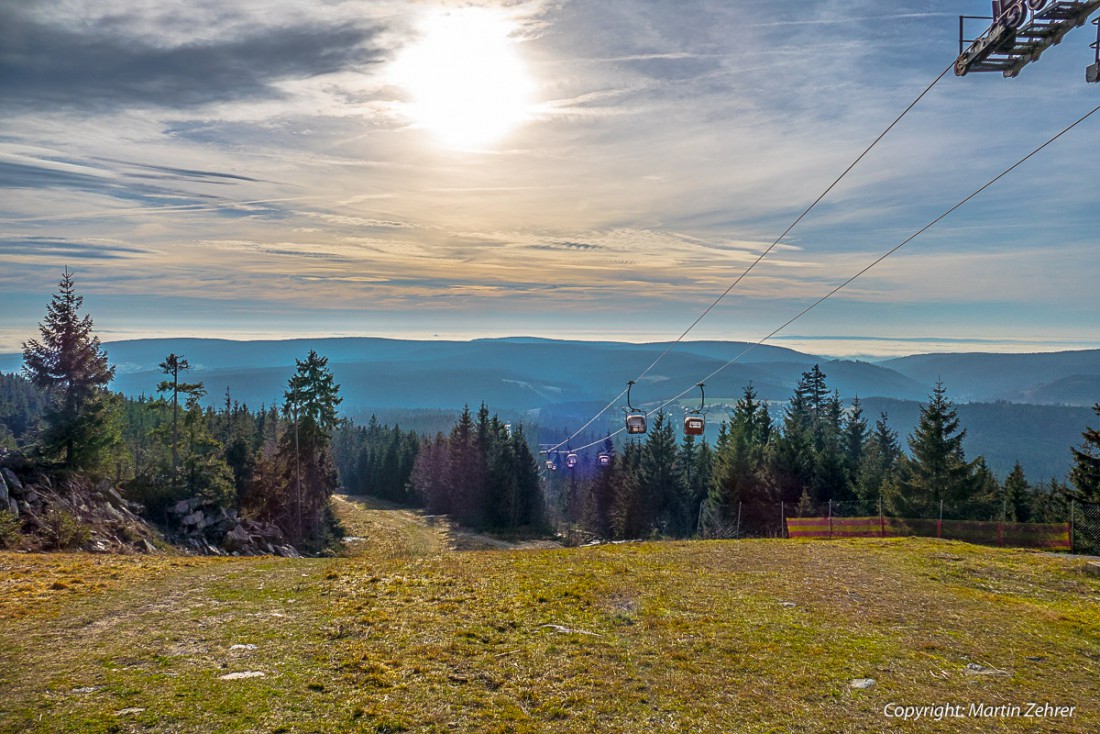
<point>78,513</point>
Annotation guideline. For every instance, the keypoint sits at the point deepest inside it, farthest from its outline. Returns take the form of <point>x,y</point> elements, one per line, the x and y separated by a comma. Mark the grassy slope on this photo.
<point>407,635</point>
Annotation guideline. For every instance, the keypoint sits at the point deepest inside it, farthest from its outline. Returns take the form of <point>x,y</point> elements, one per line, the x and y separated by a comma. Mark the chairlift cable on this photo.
<point>797,220</point>
<point>875,262</point>
<point>762,255</point>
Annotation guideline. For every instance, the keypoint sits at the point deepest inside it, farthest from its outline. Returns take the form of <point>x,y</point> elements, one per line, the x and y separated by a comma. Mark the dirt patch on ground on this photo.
<point>399,531</point>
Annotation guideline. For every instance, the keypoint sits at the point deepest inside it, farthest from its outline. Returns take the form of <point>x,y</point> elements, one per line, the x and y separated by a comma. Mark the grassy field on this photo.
<point>407,634</point>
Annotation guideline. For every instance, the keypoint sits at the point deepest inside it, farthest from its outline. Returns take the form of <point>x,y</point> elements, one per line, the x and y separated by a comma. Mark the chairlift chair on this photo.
<point>694,422</point>
<point>635,419</point>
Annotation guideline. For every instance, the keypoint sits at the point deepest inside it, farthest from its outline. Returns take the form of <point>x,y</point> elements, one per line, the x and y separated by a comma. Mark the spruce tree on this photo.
<point>172,366</point>
<point>1017,501</point>
<point>1085,474</point>
<point>737,476</point>
<point>663,494</point>
<point>69,364</point>
<point>877,465</point>
<point>310,403</point>
<point>937,469</point>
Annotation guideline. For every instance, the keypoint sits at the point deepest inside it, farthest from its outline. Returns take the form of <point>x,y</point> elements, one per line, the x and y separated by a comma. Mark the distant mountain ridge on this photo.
<point>1029,407</point>
<point>526,372</point>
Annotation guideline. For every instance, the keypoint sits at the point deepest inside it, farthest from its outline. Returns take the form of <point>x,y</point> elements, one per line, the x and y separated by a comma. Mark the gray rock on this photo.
<point>861,684</point>
<point>13,481</point>
<point>4,495</point>
<point>115,498</point>
<point>195,518</point>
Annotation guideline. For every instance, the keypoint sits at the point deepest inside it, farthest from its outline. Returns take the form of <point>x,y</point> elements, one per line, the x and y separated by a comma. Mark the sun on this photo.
<point>466,79</point>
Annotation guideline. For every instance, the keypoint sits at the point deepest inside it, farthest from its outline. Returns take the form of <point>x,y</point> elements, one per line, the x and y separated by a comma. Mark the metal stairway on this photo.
<point>1008,50</point>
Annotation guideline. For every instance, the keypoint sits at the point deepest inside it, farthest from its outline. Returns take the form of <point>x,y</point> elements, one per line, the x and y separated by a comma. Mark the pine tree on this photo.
<point>737,476</point>
<point>629,518</point>
<point>172,365</point>
<point>664,497</point>
<point>937,470</point>
<point>465,477</point>
<point>1017,496</point>
<point>310,403</point>
<point>855,440</point>
<point>877,464</point>
<point>1085,474</point>
<point>71,367</point>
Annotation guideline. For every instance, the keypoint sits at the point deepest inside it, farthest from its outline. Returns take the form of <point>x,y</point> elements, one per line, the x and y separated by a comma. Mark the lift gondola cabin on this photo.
<point>604,459</point>
<point>570,460</point>
<point>635,419</point>
<point>695,422</point>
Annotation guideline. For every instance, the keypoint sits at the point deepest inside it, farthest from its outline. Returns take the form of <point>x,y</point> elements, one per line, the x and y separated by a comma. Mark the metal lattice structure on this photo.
<point>1021,31</point>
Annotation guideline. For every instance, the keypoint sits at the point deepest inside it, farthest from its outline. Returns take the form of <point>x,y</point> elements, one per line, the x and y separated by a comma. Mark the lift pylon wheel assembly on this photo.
<point>1021,31</point>
<point>1092,73</point>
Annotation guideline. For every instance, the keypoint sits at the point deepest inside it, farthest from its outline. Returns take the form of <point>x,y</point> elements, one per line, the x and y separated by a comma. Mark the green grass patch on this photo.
<point>747,636</point>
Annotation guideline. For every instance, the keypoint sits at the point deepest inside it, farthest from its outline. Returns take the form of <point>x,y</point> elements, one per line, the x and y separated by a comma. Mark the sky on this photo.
<point>432,169</point>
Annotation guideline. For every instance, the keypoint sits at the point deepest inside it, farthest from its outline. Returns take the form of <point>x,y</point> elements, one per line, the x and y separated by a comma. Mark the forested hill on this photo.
<point>1030,408</point>
<point>526,373</point>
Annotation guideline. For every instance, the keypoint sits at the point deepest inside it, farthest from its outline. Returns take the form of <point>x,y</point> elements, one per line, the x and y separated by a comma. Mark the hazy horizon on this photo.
<point>857,348</point>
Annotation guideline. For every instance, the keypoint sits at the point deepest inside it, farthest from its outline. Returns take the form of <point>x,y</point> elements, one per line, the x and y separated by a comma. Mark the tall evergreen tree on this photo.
<point>738,476</point>
<point>664,497</point>
<point>1017,501</point>
<point>465,472</point>
<point>855,441</point>
<point>1085,474</point>
<point>310,403</point>
<point>937,469</point>
<point>877,464</point>
<point>69,364</point>
<point>172,366</point>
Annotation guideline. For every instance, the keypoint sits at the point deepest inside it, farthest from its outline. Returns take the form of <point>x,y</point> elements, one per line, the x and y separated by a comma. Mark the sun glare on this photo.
<point>467,83</point>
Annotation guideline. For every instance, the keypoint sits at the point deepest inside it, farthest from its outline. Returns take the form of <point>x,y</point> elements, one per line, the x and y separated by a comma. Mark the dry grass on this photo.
<point>403,635</point>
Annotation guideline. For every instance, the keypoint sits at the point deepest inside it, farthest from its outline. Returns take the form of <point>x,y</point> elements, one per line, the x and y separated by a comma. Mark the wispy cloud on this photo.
<point>257,153</point>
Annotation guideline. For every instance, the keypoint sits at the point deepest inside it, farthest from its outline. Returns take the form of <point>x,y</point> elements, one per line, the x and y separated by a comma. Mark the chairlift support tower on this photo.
<point>1021,31</point>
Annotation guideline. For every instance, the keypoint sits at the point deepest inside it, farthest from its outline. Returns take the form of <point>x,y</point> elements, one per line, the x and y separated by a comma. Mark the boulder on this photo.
<point>196,518</point>
<point>13,482</point>
<point>237,538</point>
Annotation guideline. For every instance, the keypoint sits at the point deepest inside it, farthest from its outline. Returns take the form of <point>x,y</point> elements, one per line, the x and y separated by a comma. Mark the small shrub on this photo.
<point>64,531</point>
<point>9,529</point>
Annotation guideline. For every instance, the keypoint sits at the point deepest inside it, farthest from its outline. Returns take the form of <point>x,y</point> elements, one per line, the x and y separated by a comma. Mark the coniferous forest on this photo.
<point>280,464</point>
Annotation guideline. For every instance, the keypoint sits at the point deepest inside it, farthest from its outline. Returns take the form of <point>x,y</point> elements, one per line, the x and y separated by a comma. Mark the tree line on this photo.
<point>273,464</point>
<point>817,452</point>
<point>281,463</point>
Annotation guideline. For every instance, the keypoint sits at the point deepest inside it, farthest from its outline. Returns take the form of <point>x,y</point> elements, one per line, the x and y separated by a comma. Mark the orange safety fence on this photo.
<point>1052,536</point>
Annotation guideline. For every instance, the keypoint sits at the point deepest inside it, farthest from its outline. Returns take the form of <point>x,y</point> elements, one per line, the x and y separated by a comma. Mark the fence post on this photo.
<point>881,518</point>
<point>1072,527</point>
<point>830,519</point>
<point>738,532</point>
<point>939,523</point>
<point>782,520</point>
